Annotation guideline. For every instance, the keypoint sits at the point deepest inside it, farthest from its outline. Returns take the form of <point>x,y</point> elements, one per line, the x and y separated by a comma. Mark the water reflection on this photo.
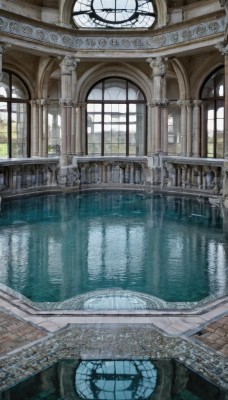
<point>115,380</point>
<point>56,247</point>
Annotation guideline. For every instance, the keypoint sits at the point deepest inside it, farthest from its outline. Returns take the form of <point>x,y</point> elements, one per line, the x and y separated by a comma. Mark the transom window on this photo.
<point>113,13</point>
<point>213,104</point>
<point>14,117</point>
<point>116,111</point>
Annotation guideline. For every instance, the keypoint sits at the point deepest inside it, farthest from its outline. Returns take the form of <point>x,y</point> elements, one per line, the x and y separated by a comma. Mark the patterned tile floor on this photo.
<point>22,328</point>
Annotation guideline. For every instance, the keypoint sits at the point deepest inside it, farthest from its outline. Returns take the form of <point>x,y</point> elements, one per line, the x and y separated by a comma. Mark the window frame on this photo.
<point>214,100</point>
<point>10,101</point>
<point>126,102</point>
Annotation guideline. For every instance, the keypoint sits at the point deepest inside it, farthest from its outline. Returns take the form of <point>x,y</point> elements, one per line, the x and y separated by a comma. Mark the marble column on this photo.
<point>182,104</point>
<point>196,127</point>
<point>68,84</point>
<point>34,129</point>
<point>189,128</point>
<point>80,145</point>
<point>41,128</point>
<point>158,66</point>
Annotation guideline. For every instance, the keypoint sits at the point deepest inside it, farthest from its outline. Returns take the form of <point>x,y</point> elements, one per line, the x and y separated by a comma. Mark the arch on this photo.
<point>182,77</point>
<point>99,72</point>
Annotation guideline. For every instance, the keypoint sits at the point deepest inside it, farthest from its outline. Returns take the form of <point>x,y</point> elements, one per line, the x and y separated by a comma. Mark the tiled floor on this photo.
<point>22,327</point>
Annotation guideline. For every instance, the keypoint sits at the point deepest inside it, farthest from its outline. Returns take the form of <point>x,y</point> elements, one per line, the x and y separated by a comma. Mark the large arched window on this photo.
<point>14,117</point>
<point>212,95</point>
<point>116,114</point>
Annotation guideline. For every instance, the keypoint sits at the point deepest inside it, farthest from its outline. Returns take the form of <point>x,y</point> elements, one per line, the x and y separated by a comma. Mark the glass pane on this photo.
<point>19,130</point>
<point>134,93</point>
<point>19,90</point>
<point>4,85</point>
<point>214,87</point>
<point>54,128</point>
<point>174,135</point>
<point>115,89</point>
<point>137,130</point>
<point>4,152</point>
<point>96,92</point>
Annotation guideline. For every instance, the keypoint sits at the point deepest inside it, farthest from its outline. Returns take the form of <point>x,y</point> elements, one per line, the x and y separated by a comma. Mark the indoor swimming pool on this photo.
<point>57,247</point>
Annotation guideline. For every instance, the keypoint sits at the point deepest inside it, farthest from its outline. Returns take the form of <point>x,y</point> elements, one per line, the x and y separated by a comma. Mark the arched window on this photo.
<point>116,114</point>
<point>14,117</point>
<point>212,94</point>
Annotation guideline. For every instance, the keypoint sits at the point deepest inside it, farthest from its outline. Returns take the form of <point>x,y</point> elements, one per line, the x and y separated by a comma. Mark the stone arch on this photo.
<point>103,71</point>
<point>204,73</point>
<point>182,77</point>
<point>44,71</point>
<point>22,73</point>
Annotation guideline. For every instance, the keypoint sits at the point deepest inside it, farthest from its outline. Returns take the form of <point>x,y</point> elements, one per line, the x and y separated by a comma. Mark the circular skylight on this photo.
<point>113,13</point>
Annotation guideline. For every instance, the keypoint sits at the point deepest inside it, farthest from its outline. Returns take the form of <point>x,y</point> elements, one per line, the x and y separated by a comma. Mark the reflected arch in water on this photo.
<point>115,379</point>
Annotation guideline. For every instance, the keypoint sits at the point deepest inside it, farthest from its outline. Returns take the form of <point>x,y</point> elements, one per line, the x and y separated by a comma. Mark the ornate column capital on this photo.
<point>158,64</point>
<point>42,102</point>
<point>223,48</point>
<point>184,103</point>
<point>69,64</point>
<point>66,102</point>
<point>197,103</point>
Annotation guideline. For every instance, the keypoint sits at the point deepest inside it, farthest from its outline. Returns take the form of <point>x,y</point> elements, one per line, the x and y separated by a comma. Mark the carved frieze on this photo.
<point>146,42</point>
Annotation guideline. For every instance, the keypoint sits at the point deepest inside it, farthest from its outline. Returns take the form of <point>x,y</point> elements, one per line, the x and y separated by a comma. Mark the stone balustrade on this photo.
<point>19,175</point>
<point>195,175</point>
<point>111,171</point>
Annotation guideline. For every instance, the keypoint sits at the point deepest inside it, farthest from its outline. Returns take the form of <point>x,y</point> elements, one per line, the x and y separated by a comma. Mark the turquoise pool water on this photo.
<point>56,247</point>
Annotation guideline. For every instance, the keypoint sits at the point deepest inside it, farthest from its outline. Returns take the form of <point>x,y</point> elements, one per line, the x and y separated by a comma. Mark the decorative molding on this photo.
<point>76,42</point>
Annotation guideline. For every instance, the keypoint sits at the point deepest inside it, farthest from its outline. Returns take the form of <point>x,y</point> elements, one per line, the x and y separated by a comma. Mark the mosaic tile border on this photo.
<point>76,40</point>
<point>92,301</point>
<point>109,342</point>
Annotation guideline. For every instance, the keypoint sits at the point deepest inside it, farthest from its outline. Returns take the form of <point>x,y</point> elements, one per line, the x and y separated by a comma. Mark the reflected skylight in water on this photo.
<point>115,380</point>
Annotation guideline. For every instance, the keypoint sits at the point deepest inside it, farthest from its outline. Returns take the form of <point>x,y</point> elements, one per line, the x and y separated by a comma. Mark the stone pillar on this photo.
<point>203,152</point>
<point>45,129</point>
<point>182,104</point>
<point>80,127</point>
<point>158,66</point>
<point>189,128</point>
<point>34,129</point>
<point>68,84</point>
<point>150,130</point>
<point>41,128</point>
<point>164,127</point>
<point>196,127</point>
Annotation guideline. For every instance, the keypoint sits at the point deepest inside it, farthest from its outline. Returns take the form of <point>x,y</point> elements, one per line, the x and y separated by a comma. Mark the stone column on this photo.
<point>182,104</point>
<point>150,130</point>
<point>68,83</point>
<point>189,128</point>
<point>80,127</point>
<point>158,66</point>
<point>45,128</point>
<point>164,127</point>
<point>34,129</point>
<point>196,127</point>
<point>41,128</point>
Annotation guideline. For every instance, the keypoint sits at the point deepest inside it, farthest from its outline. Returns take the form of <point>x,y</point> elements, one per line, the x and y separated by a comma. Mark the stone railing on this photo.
<point>20,175</point>
<point>111,171</point>
<point>197,176</point>
<point>194,175</point>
